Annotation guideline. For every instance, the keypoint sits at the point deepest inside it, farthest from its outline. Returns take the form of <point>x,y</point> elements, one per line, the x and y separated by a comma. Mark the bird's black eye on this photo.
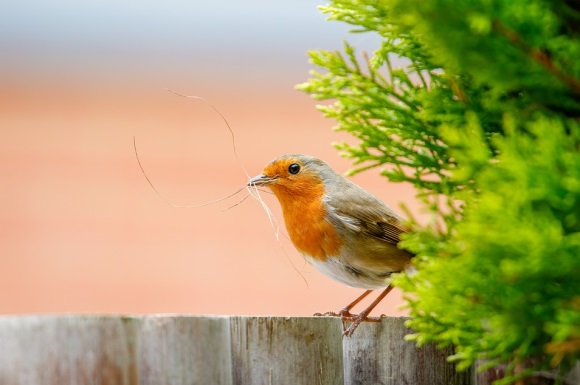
<point>294,168</point>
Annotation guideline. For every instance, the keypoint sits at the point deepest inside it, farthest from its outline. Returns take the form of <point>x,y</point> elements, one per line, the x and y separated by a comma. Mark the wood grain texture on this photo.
<point>63,350</point>
<point>279,350</point>
<point>380,355</point>
<point>191,350</point>
<point>183,350</point>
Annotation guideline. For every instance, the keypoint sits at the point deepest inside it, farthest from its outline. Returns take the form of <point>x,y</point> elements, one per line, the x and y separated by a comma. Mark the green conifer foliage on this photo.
<point>484,121</point>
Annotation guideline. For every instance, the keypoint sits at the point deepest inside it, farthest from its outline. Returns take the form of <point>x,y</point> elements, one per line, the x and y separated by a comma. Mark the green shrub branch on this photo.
<point>476,103</point>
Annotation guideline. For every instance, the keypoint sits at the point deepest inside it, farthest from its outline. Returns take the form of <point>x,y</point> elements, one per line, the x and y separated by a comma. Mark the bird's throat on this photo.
<point>306,221</point>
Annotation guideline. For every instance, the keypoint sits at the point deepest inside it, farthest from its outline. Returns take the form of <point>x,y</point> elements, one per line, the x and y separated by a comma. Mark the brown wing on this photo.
<point>358,209</point>
<point>388,229</point>
<point>375,229</point>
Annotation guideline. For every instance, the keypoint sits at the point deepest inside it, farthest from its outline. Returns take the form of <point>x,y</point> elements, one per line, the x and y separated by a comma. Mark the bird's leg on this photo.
<point>363,316</point>
<point>345,311</point>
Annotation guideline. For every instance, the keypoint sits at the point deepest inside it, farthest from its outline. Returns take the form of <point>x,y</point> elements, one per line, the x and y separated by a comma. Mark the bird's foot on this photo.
<point>327,314</point>
<point>344,314</point>
<point>356,320</point>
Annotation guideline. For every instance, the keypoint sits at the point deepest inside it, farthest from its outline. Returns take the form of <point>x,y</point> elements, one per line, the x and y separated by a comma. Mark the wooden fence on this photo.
<point>172,350</point>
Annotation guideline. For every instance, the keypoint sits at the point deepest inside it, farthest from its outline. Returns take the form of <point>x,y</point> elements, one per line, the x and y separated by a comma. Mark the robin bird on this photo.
<point>341,229</point>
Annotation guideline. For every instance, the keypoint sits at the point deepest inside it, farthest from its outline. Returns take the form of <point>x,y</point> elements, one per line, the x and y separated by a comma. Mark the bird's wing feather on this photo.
<point>368,214</point>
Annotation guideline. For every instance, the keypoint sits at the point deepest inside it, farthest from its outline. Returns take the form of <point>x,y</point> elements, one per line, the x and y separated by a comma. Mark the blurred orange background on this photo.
<point>80,228</point>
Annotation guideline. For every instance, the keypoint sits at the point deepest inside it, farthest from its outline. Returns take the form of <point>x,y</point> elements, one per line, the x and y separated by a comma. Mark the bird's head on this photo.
<point>295,176</point>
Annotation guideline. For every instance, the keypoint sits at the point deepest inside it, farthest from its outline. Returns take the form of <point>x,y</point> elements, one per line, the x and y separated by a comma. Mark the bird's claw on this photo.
<point>354,319</point>
<point>343,313</point>
<point>327,314</point>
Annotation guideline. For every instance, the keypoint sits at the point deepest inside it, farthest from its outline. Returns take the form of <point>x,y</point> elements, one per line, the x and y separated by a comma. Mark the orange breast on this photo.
<point>304,216</point>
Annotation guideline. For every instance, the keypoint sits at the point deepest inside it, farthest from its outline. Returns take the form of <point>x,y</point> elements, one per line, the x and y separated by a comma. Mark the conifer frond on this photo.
<point>477,104</point>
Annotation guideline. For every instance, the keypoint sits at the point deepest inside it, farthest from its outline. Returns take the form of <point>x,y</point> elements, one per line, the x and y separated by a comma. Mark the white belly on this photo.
<point>346,274</point>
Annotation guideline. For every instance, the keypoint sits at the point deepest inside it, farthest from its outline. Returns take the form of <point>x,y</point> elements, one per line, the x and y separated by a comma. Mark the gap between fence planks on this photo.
<point>177,349</point>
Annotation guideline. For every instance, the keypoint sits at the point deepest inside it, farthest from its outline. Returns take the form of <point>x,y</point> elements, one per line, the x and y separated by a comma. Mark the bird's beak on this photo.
<point>261,180</point>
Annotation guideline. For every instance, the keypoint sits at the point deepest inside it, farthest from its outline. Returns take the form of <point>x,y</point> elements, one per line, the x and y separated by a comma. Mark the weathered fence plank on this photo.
<point>63,350</point>
<point>190,350</point>
<point>279,350</point>
<point>380,355</point>
<point>183,350</point>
